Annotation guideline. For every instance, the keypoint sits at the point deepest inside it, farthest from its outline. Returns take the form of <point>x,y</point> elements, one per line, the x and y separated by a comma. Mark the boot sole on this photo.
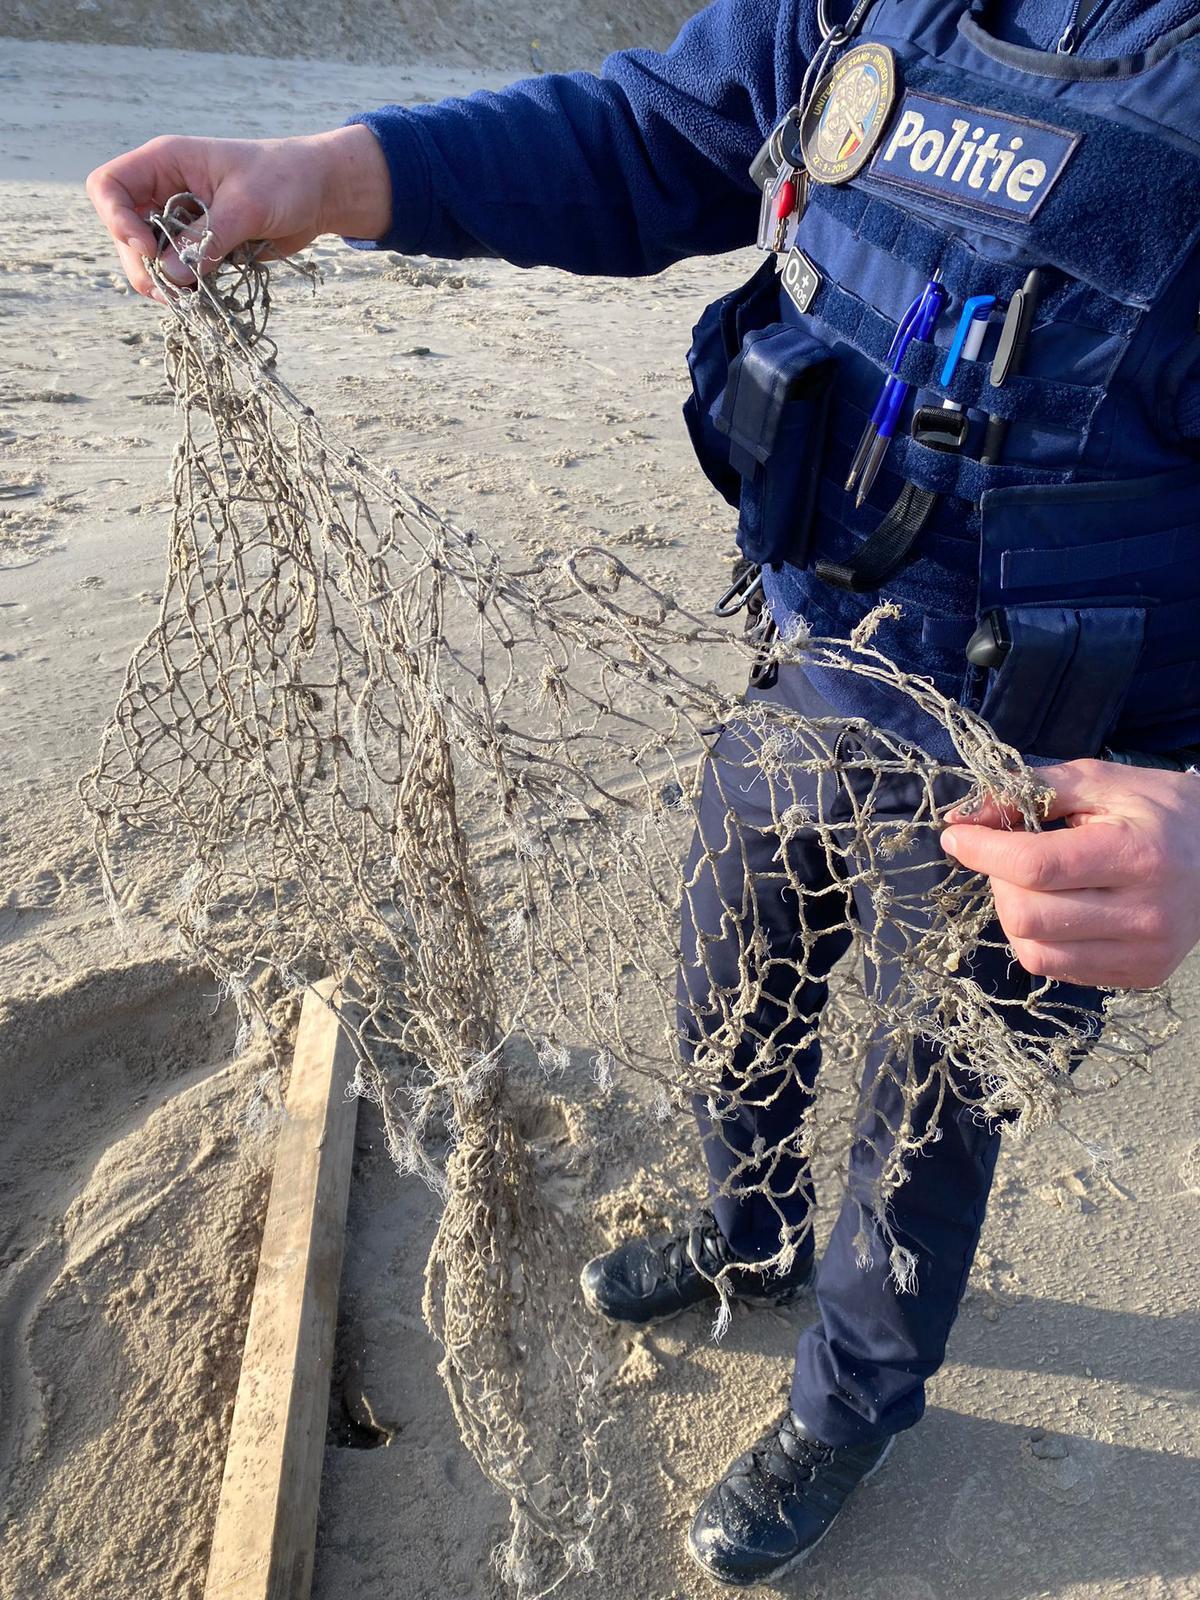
<point>797,1560</point>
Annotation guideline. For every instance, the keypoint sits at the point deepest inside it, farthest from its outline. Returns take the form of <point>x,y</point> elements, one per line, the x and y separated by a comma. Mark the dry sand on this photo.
<point>133,1191</point>
<point>1060,1454</point>
<point>507,35</point>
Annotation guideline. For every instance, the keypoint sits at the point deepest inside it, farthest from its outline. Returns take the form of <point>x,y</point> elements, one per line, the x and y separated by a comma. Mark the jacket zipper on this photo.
<point>1081,14</point>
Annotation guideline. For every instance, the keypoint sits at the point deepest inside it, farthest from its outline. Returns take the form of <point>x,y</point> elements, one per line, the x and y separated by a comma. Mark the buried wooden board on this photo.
<point>266,1524</point>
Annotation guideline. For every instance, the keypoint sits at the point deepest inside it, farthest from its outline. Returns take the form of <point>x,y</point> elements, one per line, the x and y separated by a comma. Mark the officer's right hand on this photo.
<point>284,191</point>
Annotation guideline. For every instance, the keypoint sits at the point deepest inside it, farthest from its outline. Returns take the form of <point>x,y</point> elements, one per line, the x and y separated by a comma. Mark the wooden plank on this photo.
<point>266,1524</point>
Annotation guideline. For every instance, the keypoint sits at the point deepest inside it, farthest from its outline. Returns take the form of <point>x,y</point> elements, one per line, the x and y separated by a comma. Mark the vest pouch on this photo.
<point>716,339</point>
<point>1064,678</point>
<point>774,415</point>
<point>1098,584</point>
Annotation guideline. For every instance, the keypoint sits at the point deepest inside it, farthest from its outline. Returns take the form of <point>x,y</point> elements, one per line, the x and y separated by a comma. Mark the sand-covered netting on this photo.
<point>465,786</point>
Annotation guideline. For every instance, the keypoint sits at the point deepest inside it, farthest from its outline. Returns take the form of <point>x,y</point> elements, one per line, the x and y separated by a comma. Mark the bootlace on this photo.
<point>708,1254</point>
<point>786,1456</point>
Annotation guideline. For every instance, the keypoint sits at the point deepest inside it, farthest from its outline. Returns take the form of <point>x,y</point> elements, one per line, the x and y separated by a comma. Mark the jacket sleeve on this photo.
<point>617,173</point>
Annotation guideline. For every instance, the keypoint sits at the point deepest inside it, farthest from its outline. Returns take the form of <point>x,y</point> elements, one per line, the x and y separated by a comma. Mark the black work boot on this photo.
<point>777,1502</point>
<point>647,1280</point>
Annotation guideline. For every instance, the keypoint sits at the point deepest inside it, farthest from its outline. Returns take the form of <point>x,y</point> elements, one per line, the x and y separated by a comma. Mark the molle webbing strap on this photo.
<point>949,473</point>
<point>887,549</point>
<point>1101,539</point>
<point>1069,406</point>
<point>925,248</point>
<point>954,473</point>
<point>1132,557</point>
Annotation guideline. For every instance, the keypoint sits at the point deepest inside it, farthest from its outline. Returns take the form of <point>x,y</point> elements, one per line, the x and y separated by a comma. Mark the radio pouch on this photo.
<point>716,340</point>
<point>774,414</point>
<point>1064,678</point>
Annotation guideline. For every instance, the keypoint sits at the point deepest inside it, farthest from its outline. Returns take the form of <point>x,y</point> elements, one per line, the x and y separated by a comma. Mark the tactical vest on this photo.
<point>1083,540</point>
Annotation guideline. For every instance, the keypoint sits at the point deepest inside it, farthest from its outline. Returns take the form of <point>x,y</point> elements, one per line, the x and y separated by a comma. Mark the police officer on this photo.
<point>1032,506</point>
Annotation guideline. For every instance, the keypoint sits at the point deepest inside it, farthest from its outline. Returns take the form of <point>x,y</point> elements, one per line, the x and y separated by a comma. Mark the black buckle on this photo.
<point>939,429</point>
<point>989,645</point>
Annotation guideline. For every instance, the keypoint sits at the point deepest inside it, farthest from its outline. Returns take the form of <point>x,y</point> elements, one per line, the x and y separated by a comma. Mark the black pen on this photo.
<point>1010,353</point>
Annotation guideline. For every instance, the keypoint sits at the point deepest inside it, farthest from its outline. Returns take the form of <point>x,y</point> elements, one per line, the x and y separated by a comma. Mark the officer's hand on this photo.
<point>285,191</point>
<point>1114,898</point>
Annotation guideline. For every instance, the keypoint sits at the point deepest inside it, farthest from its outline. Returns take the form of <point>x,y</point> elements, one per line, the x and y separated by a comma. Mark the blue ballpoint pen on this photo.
<point>917,323</point>
<point>898,345</point>
<point>897,391</point>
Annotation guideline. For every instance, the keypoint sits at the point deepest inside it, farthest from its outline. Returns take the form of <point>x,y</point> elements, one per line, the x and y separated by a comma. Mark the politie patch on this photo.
<point>981,159</point>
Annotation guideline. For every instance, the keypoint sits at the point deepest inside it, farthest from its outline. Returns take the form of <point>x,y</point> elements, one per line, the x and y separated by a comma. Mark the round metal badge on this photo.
<point>845,118</point>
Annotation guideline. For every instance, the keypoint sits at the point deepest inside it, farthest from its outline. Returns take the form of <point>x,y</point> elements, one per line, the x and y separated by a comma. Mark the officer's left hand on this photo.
<point>1114,898</point>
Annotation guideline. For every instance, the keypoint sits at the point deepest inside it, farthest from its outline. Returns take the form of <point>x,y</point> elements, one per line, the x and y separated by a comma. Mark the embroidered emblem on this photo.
<point>800,278</point>
<point>985,160</point>
<point>847,114</point>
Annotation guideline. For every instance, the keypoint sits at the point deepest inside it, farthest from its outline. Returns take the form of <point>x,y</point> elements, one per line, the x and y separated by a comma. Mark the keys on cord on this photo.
<point>784,196</point>
<point>779,171</point>
<point>790,197</point>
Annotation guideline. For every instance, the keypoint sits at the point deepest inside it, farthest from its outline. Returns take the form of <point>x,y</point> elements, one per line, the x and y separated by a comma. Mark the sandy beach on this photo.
<point>1061,1452</point>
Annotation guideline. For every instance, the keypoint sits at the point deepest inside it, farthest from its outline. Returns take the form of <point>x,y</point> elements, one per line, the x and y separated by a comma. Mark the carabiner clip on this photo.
<point>739,593</point>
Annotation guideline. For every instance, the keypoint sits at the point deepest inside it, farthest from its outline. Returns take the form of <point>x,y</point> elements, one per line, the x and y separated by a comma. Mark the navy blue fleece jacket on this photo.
<point>627,170</point>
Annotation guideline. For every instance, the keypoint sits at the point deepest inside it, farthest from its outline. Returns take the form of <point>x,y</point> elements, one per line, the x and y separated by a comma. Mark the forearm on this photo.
<point>621,172</point>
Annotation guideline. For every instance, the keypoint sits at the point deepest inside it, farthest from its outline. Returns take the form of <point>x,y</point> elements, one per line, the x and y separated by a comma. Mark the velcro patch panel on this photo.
<point>983,160</point>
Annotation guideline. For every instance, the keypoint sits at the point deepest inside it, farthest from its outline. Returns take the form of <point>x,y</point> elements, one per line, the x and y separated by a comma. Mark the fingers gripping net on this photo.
<point>515,813</point>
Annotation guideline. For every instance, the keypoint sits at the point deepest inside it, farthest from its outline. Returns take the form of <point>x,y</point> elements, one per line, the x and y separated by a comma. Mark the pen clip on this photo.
<point>978,308</point>
<point>904,330</point>
<point>1018,323</point>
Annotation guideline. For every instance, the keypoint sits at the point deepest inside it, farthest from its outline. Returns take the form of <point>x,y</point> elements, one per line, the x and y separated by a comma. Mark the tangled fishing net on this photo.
<point>465,788</point>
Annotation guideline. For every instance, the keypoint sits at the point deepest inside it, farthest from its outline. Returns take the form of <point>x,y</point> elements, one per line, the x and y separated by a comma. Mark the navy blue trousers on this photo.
<point>860,1372</point>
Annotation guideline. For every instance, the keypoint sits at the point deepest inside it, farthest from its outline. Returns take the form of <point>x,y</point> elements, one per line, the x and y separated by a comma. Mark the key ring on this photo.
<point>833,37</point>
<point>839,33</point>
<point>829,29</point>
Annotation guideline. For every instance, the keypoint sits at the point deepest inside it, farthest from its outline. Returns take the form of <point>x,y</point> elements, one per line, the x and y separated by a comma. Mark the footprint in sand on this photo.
<point>1060,1467</point>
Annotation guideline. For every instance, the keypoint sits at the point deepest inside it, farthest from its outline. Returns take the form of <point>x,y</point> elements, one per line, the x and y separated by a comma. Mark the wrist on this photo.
<point>356,187</point>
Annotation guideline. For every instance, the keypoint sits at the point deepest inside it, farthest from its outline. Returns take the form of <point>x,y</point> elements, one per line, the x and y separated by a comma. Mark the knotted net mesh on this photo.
<point>510,810</point>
